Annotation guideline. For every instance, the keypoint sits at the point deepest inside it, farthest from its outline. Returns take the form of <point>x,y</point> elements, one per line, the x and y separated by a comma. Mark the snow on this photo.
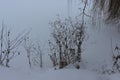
<point>63,74</point>
<point>96,56</point>
<point>51,74</point>
<point>19,73</point>
<point>69,74</point>
<point>115,77</point>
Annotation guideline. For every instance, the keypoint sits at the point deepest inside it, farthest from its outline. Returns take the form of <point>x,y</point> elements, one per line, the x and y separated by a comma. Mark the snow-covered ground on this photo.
<point>51,74</point>
<point>63,74</point>
<point>96,56</point>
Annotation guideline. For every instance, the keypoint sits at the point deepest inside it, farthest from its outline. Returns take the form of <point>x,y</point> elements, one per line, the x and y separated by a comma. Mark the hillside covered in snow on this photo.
<point>81,46</point>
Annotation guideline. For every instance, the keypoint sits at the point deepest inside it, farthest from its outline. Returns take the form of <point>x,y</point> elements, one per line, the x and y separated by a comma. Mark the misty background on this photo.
<point>34,15</point>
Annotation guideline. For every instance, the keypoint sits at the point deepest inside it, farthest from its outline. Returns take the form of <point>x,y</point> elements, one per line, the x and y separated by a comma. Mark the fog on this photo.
<point>21,15</point>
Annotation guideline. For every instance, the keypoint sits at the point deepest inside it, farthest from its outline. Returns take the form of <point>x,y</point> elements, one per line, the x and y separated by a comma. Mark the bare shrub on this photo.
<point>116,60</point>
<point>34,52</point>
<point>8,45</point>
<point>38,58</point>
<point>67,37</point>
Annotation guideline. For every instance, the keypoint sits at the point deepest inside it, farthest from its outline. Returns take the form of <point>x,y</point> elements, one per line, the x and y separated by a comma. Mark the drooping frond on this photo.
<point>112,6</point>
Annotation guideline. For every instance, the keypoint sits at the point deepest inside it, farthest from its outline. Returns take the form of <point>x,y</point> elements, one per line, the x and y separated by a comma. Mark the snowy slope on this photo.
<point>96,55</point>
<point>115,77</point>
<point>51,74</point>
<point>69,74</point>
<point>99,46</point>
<point>64,74</point>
